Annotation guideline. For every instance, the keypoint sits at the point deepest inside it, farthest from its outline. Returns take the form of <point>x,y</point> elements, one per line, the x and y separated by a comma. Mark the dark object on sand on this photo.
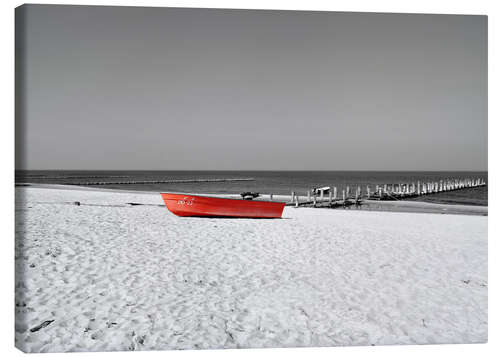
<point>76,203</point>
<point>42,325</point>
<point>249,195</point>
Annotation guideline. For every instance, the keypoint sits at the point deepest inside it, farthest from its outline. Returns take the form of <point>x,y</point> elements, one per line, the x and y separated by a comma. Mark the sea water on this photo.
<point>264,182</point>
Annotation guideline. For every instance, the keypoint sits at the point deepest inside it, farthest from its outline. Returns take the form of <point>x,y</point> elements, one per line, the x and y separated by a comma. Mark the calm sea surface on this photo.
<point>276,182</point>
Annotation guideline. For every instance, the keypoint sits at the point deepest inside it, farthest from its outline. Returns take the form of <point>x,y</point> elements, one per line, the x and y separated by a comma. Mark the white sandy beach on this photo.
<point>111,276</point>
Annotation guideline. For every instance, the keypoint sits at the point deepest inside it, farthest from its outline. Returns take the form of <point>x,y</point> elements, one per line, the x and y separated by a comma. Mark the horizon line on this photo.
<point>270,170</point>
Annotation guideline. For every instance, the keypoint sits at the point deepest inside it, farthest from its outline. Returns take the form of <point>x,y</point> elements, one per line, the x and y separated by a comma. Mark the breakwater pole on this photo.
<point>96,183</point>
<point>384,192</point>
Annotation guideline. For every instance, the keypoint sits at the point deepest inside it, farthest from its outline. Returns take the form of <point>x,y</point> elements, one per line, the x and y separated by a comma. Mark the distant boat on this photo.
<point>204,206</point>
<point>319,190</point>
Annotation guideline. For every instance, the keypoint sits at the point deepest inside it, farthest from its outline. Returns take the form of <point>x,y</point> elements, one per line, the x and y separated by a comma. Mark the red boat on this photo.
<point>204,206</point>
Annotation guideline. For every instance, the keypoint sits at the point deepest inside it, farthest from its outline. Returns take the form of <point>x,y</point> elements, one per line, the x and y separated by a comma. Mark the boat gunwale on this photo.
<point>222,198</point>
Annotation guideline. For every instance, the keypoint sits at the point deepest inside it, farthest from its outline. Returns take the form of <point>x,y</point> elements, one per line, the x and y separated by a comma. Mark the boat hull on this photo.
<point>203,206</point>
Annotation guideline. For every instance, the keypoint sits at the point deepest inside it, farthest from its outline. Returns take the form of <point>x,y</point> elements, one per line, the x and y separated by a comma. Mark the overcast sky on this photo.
<point>166,88</point>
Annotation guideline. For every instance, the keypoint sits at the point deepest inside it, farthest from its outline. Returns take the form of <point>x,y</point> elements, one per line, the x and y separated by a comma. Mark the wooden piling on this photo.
<point>385,191</point>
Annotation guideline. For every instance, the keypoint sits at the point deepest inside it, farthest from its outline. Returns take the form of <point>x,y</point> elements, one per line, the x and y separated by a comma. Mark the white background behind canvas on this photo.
<point>490,8</point>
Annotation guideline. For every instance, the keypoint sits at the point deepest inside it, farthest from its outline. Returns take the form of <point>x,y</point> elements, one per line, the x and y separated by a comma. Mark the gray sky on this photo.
<point>167,88</point>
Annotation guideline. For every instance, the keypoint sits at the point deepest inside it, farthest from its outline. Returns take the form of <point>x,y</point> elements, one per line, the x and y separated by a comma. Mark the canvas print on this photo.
<point>219,178</point>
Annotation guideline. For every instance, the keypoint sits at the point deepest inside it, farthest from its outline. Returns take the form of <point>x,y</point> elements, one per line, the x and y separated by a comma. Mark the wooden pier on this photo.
<point>334,198</point>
